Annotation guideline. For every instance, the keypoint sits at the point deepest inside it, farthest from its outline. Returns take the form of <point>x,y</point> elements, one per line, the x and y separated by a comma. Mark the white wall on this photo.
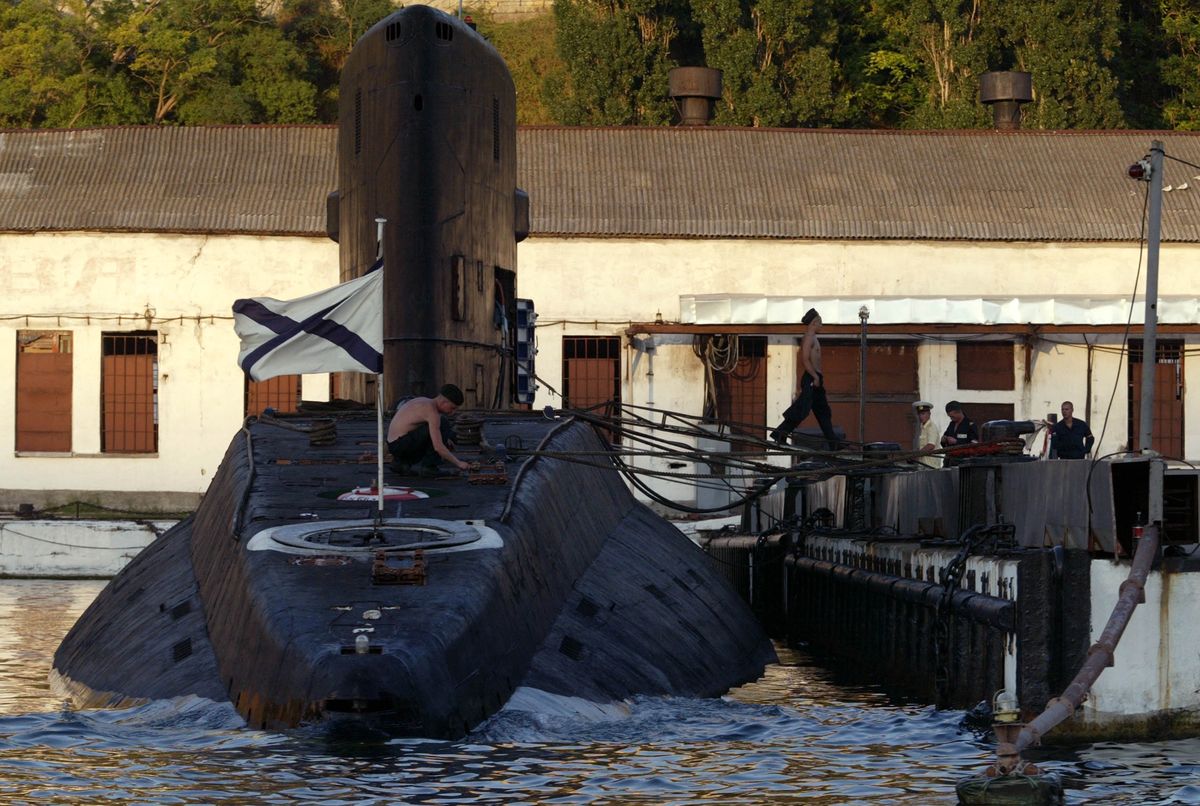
<point>596,287</point>
<point>89,283</point>
<point>109,282</point>
<point>1156,664</point>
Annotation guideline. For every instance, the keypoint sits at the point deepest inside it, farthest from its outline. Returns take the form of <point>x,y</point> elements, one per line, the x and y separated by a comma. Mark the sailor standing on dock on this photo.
<point>1071,437</point>
<point>420,430</point>
<point>927,437</point>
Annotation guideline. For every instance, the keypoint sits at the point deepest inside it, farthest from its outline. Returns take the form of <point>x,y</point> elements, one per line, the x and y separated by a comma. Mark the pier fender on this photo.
<point>1010,790</point>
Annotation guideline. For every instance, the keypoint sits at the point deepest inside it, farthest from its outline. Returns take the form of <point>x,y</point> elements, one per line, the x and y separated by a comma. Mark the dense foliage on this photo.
<point>884,63</point>
<point>847,63</point>
<point>86,63</point>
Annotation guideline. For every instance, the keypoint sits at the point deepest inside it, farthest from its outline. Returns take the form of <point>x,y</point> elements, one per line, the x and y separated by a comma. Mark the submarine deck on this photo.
<point>294,480</point>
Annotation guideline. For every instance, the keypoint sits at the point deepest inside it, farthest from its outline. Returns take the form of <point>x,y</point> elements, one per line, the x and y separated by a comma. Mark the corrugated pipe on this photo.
<point>1100,656</point>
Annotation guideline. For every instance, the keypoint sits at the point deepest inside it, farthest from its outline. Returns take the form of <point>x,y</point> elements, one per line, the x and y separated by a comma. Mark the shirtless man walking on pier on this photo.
<point>812,388</point>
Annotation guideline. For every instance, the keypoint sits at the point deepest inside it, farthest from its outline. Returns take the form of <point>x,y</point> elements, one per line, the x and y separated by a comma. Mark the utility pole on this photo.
<point>1150,334</point>
<point>863,314</point>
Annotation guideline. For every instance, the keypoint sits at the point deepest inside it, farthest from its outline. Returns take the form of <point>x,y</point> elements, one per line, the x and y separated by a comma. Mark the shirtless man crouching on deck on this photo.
<point>420,431</point>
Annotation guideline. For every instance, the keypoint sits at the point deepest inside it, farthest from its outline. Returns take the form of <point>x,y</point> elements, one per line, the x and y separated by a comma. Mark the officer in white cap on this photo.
<point>927,438</point>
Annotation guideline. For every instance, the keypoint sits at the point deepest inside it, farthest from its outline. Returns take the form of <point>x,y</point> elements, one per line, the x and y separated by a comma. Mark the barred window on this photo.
<point>129,392</point>
<point>281,393</point>
<point>591,371</point>
<point>742,393</point>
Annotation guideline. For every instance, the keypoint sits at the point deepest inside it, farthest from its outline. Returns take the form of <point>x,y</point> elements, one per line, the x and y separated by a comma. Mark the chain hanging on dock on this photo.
<point>974,541</point>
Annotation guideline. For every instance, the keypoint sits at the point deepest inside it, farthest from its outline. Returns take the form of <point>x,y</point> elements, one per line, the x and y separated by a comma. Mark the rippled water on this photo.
<point>794,736</point>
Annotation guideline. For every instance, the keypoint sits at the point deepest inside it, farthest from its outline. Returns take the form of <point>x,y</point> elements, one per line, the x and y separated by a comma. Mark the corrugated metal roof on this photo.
<point>245,179</point>
<point>805,183</point>
<point>702,182</point>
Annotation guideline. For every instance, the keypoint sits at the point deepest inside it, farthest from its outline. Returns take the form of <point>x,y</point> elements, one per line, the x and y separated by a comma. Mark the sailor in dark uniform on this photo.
<point>1072,437</point>
<point>960,431</point>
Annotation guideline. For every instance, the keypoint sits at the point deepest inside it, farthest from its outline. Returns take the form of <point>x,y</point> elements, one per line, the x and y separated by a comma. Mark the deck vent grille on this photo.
<point>181,650</point>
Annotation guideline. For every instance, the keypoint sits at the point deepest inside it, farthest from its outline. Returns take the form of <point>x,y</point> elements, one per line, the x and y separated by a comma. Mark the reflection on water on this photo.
<point>793,736</point>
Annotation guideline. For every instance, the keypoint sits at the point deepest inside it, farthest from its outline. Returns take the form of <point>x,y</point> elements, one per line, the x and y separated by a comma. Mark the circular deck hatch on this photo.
<point>355,537</point>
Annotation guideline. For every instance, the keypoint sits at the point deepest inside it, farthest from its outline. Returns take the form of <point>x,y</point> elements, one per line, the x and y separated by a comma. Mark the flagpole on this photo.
<point>379,222</point>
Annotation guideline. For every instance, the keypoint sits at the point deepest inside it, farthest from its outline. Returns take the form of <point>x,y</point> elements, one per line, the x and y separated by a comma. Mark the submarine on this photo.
<point>288,595</point>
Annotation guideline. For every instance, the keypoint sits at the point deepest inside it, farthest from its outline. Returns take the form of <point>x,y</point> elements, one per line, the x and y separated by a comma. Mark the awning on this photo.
<point>755,309</point>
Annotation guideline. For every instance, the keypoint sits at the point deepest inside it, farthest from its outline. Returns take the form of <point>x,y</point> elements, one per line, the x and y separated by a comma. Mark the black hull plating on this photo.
<point>586,593</point>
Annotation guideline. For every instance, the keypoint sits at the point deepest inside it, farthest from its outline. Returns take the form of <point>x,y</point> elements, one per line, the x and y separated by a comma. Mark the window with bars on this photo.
<point>1168,413</point>
<point>591,373</point>
<point>129,392</point>
<point>281,393</point>
<point>742,393</point>
<point>43,399</point>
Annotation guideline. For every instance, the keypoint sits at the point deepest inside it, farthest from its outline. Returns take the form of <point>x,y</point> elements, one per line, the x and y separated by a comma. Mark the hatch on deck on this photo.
<point>362,537</point>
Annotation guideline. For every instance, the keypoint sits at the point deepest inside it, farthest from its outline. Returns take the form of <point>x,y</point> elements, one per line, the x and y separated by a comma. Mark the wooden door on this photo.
<point>1167,423</point>
<point>43,415</point>
<point>891,389</point>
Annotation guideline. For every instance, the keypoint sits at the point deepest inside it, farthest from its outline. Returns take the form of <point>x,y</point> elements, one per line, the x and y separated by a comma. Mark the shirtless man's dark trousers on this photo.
<point>811,399</point>
<point>413,453</point>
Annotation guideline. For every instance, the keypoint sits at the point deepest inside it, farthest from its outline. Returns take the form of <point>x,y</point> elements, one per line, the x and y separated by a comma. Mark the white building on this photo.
<point>998,269</point>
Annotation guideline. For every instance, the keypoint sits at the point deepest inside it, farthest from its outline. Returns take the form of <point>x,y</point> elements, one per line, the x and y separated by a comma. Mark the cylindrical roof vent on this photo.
<point>1004,92</point>
<point>694,89</point>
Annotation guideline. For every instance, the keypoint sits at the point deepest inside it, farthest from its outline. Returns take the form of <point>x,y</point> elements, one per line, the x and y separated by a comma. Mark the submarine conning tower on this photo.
<point>427,141</point>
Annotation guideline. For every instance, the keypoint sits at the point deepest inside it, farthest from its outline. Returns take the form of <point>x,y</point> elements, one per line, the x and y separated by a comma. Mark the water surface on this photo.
<point>798,735</point>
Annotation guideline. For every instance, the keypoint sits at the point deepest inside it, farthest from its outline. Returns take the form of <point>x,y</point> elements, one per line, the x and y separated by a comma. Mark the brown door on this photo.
<point>891,389</point>
<point>1167,425</point>
<point>43,391</point>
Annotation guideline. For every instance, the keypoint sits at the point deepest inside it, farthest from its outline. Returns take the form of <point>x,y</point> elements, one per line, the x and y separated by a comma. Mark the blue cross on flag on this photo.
<point>339,329</point>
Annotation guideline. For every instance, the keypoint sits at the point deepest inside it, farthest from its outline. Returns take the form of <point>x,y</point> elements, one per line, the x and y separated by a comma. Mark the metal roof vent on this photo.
<point>1004,92</point>
<point>694,89</point>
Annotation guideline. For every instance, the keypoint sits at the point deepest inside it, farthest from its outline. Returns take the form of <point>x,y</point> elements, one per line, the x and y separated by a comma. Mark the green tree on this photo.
<point>1068,46</point>
<point>173,46</point>
<point>529,47</point>
<point>45,74</point>
<point>1138,65</point>
<point>616,55</point>
<point>1181,64</point>
<point>778,61</point>
<point>929,60</point>
<point>255,82</point>
<point>324,32</point>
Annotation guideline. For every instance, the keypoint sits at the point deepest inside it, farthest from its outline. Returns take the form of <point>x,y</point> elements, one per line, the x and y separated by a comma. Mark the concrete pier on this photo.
<point>72,549</point>
<point>951,585</point>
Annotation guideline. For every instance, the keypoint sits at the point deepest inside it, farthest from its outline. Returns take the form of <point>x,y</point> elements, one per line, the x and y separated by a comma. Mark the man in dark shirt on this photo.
<point>960,431</point>
<point>1072,439</point>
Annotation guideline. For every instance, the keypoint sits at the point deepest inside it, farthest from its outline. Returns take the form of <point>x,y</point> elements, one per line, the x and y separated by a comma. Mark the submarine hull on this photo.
<point>555,579</point>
